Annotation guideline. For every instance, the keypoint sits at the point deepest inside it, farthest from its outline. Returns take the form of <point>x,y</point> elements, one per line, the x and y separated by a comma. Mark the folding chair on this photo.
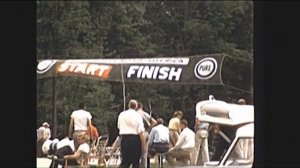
<point>113,153</point>
<point>83,161</point>
<point>99,153</point>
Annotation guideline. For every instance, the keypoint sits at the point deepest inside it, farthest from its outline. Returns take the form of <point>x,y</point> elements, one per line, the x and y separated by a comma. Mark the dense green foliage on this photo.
<point>131,29</point>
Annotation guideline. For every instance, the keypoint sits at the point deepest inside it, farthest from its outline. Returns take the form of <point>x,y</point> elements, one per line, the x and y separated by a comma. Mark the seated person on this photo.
<point>76,158</point>
<point>184,145</point>
<point>65,149</point>
<point>158,138</point>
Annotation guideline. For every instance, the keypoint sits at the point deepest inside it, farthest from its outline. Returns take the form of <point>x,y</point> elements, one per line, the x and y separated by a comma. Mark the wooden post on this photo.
<point>54,114</point>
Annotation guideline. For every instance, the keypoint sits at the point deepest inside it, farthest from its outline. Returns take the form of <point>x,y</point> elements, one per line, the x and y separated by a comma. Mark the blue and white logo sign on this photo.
<point>45,66</point>
<point>206,68</point>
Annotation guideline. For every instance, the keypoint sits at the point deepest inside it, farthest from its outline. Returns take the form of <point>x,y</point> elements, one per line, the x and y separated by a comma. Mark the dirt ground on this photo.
<point>43,162</point>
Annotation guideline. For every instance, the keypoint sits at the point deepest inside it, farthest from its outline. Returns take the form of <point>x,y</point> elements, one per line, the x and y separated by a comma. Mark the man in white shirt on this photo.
<point>201,141</point>
<point>184,145</point>
<point>80,123</point>
<point>44,132</point>
<point>245,146</point>
<point>131,131</point>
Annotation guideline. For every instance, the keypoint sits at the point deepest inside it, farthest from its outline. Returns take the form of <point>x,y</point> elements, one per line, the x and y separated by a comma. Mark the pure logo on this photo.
<point>45,66</point>
<point>205,68</point>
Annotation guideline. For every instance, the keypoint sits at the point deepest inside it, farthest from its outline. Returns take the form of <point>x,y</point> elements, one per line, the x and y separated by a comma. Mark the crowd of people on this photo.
<point>142,137</point>
<point>179,143</point>
<point>76,145</point>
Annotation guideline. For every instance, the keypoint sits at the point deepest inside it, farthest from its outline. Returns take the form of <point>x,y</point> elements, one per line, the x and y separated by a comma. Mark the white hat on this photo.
<point>45,124</point>
<point>46,146</point>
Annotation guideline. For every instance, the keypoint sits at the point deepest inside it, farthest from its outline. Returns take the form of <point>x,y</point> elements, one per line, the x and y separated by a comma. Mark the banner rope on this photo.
<point>124,87</point>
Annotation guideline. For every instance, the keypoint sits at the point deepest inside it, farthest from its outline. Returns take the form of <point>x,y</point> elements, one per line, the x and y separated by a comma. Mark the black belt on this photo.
<point>127,135</point>
<point>160,143</point>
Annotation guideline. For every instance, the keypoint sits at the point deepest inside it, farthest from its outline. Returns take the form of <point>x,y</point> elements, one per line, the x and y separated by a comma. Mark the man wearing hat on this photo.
<point>47,131</point>
<point>43,134</point>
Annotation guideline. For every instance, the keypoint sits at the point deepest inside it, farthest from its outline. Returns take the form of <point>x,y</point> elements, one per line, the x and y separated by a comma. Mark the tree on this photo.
<point>131,29</point>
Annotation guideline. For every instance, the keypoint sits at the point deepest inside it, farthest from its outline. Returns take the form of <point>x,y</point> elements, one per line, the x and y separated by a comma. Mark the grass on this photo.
<point>152,165</point>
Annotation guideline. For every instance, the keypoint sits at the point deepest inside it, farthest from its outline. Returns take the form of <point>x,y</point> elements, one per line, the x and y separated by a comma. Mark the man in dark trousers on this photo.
<point>131,130</point>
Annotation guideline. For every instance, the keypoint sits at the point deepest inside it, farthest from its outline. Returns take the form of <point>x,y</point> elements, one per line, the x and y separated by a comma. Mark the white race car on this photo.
<point>241,151</point>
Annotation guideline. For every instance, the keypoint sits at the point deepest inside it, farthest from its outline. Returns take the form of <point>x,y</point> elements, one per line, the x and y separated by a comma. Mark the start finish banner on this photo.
<point>199,69</point>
